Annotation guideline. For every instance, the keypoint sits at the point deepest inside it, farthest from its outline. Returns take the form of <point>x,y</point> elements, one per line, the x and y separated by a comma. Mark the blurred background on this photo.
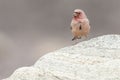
<point>31,28</point>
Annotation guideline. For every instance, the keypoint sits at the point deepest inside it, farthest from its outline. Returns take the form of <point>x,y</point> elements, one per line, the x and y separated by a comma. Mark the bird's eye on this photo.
<point>77,12</point>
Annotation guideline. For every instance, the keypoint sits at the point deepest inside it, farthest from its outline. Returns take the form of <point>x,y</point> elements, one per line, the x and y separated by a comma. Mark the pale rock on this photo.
<point>95,59</point>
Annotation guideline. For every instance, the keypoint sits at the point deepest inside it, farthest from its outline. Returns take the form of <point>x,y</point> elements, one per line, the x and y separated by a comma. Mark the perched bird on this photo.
<point>79,24</point>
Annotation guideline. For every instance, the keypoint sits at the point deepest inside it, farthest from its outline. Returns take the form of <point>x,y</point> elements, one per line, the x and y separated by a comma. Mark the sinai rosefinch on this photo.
<point>79,24</point>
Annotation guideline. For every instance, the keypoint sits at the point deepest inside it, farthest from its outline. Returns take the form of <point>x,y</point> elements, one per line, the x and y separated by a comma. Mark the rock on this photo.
<point>95,59</point>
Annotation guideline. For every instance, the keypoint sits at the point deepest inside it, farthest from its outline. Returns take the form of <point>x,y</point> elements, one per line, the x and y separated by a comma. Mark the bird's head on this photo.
<point>78,13</point>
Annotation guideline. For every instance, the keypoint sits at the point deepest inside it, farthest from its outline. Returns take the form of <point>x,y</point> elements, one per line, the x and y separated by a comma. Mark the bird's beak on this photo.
<point>74,14</point>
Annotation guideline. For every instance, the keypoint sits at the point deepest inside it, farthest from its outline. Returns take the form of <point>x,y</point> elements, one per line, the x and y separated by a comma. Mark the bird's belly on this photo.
<point>77,32</point>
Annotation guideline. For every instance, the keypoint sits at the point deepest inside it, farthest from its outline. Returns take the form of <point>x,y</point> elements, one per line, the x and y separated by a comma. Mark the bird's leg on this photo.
<point>73,38</point>
<point>79,37</point>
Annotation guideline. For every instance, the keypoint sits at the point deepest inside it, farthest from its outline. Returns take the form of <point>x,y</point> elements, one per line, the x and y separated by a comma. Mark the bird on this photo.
<point>79,25</point>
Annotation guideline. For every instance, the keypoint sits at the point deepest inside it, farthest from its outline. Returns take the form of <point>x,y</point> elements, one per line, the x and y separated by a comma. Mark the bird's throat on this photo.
<point>76,18</point>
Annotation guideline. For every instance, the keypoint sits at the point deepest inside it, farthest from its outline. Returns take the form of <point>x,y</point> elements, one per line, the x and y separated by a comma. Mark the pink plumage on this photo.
<point>80,24</point>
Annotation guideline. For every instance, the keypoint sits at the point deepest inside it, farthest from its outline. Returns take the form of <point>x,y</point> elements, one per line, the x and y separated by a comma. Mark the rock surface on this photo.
<point>95,59</point>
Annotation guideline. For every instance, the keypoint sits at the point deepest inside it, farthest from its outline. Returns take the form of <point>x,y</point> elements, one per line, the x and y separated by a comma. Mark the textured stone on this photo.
<point>95,59</point>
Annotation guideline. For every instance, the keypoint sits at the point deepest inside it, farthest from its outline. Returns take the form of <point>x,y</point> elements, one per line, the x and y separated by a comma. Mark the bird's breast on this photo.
<point>75,23</point>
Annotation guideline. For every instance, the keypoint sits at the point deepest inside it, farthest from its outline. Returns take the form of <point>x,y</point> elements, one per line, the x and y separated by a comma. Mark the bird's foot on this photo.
<point>73,38</point>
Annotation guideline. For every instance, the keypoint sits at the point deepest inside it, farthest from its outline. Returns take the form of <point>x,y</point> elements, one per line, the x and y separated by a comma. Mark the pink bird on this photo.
<point>79,24</point>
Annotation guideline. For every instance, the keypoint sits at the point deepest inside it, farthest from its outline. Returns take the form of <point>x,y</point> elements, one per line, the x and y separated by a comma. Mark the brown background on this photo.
<point>32,28</point>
